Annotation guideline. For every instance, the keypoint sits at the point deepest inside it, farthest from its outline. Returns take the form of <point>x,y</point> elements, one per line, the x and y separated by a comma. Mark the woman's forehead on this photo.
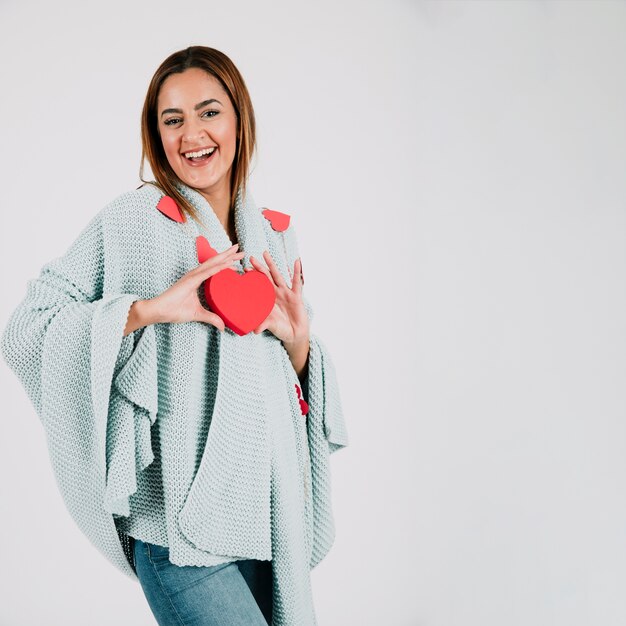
<point>190,88</point>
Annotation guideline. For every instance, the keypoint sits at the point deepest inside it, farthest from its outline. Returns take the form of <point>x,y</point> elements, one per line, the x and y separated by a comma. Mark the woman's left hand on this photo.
<point>288,319</point>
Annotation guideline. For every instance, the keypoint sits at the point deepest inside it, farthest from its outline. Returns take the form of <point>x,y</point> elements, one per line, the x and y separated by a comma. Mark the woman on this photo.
<point>191,452</point>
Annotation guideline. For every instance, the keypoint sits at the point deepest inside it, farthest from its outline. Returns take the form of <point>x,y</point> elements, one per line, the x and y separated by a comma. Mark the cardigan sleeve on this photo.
<point>93,389</point>
<point>66,294</point>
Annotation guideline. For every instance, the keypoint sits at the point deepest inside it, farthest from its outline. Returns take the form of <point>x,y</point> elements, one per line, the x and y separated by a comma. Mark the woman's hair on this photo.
<point>216,64</point>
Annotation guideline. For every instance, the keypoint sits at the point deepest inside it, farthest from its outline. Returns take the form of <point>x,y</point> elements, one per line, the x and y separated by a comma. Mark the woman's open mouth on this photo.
<point>200,158</point>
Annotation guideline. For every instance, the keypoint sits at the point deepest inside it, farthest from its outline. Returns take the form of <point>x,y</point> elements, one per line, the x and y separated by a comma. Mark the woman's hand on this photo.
<point>288,320</point>
<point>180,302</point>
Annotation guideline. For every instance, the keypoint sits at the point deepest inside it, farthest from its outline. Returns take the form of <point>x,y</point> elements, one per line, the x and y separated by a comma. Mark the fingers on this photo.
<point>219,257</point>
<point>273,272</point>
<point>214,319</point>
<point>216,264</point>
<point>276,275</point>
<point>259,266</point>
<point>297,277</point>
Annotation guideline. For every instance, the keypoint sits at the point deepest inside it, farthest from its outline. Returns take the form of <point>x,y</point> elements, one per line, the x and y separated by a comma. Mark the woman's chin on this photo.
<point>200,179</point>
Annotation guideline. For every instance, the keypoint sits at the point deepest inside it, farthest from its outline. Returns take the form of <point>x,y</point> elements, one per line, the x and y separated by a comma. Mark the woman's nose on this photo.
<point>193,132</point>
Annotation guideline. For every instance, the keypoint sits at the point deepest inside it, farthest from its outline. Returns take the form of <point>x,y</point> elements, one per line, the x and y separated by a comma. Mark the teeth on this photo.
<point>189,155</point>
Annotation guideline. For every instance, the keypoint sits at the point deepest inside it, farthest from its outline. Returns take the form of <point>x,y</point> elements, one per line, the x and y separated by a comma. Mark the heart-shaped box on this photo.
<point>243,301</point>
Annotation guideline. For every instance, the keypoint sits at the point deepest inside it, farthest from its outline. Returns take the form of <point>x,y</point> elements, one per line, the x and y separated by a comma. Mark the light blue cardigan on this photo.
<point>176,433</point>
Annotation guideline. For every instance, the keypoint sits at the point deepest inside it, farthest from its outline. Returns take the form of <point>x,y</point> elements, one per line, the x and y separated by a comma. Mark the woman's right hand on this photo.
<point>180,302</point>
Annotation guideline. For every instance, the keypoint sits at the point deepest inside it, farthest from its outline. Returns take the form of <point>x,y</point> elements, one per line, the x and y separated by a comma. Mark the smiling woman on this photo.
<point>195,458</point>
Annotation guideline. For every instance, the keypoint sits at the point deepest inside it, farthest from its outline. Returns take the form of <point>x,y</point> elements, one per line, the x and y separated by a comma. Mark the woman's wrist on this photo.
<point>298,351</point>
<point>298,343</point>
<point>141,313</point>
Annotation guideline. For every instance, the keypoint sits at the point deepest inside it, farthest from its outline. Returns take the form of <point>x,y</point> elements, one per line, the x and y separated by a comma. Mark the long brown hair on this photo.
<point>217,64</point>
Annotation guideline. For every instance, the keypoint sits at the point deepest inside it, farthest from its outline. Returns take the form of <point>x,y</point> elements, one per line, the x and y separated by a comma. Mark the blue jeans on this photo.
<point>229,594</point>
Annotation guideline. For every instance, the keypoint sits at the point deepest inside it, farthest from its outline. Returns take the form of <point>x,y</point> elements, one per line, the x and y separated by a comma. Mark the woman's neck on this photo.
<point>220,203</point>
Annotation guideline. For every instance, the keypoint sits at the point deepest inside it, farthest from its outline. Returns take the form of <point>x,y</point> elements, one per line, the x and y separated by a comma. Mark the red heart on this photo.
<point>168,207</point>
<point>204,249</point>
<point>243,301</point>
<point>278,220</point>
<point>304,407</point>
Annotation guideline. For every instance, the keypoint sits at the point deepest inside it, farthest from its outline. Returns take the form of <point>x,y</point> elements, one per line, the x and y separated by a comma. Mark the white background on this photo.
<point>456,175</point>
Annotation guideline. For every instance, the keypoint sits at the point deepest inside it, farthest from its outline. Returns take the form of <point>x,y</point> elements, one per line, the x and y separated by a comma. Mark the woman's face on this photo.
<point>195,113</point>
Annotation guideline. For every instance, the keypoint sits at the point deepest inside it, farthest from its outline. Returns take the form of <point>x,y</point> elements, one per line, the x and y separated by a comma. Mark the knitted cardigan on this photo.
<point>178,434</point>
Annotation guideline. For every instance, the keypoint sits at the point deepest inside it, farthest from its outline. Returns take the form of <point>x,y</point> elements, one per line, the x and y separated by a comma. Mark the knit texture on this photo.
<point>178,434</point>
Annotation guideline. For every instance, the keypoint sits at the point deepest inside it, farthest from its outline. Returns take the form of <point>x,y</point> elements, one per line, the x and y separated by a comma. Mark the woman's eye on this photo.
<point>175,120</point>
